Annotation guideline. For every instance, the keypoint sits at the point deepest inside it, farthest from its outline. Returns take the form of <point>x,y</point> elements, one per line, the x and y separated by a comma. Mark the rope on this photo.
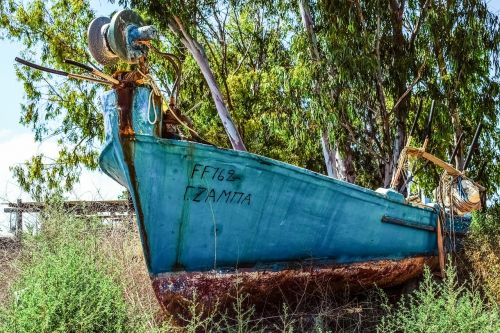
<point>154,109</point>
<point>459,192</point>
<point>148,80</point>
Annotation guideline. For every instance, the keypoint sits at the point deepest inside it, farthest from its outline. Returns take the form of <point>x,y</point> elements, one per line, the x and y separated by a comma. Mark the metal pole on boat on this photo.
<point>427,135</point>
<point>92,71</point>
<point>414,125</point>
<point>473,146</point>
<point>61,73</point>
<point>455,150</point>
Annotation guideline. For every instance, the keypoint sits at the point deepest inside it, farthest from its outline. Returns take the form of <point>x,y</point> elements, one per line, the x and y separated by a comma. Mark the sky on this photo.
<point>16,141</point>
<point>17,144</point>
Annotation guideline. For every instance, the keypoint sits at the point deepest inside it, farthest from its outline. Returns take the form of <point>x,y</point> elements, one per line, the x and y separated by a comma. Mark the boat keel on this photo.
<point>176,291</point>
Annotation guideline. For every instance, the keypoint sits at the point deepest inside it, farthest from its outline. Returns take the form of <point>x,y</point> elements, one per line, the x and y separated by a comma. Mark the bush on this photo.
<point>441,307</point>
<point>62,287</point>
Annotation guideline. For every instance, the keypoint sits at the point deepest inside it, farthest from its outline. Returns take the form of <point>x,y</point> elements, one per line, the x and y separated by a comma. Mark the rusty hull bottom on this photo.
<point>174,291</point>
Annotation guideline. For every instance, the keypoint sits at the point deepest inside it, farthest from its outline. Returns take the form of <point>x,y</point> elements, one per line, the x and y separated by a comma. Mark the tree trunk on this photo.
<point>400,47</point>
<point>328,154</point>
<point>328,150</point>
<point>452,109</point>
<point>199,55</point>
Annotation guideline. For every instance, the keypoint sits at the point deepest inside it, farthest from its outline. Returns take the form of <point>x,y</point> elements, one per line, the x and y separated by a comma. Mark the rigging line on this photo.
<point>92,71</point>
<point>189,128</point>
<point>174,61</point>
<point>149,81</point>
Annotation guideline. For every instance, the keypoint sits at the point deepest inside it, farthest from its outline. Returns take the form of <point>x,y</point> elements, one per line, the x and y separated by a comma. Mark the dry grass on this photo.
<point>325,310</point>
<point>483,256</point>
<point>321,311</point>
<point>10,251</point>
<point>122,245</point>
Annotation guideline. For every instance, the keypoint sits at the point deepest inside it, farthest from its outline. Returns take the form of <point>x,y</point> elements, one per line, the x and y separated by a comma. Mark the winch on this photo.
<point>119,38</point>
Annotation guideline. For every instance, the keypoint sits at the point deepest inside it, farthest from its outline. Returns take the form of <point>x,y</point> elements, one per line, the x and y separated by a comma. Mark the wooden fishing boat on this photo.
<point>208,216</point>
<point>212,220</point>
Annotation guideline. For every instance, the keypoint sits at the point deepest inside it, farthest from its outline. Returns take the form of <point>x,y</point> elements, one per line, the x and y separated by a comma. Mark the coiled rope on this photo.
<point>459,194</point>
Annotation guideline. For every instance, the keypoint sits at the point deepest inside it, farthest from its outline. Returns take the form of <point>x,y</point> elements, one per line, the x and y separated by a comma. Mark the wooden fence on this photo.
<point>109,209</point>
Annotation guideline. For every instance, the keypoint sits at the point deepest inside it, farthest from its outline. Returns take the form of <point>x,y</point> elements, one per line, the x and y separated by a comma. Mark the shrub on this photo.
<point>62,287</point>
<point>441,307</point>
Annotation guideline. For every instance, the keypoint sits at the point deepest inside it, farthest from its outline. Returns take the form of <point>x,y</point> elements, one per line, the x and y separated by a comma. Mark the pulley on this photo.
<point>118,38</point>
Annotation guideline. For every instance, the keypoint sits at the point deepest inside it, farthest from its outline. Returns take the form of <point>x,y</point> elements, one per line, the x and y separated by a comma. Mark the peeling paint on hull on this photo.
<point>174,291</point>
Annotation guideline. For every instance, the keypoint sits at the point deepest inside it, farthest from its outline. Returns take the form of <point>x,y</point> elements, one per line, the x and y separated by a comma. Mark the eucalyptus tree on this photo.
<point>295,75</point>
<point>381,58</point>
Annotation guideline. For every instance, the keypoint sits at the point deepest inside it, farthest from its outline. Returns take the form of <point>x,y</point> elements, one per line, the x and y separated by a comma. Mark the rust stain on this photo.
<point>268,287</point>
<point>125,98</point>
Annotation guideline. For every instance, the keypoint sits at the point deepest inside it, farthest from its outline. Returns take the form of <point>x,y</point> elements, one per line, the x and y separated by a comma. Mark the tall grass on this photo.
<point>450,306</point>
<point>78,275</point>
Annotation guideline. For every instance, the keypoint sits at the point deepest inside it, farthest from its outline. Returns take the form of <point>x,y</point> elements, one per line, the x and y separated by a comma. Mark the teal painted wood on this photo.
<point>200,207</point>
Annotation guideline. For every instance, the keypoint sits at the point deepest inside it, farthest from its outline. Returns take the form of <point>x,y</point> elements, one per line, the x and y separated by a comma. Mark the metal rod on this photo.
<point>473,146</point>
<point>78,64</point>
<point>92,70</point>
<point>457,146</point>
<point>41,68</point>
<point>429,122</point>
<point>416,117</point>
<point>58,72</point>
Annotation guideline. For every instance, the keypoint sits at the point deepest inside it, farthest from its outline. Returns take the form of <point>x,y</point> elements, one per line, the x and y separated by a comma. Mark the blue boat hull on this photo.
<point>201,208</point>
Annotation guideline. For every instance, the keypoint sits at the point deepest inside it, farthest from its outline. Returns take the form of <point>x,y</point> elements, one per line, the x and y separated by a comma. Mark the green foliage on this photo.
<point>442,307</point>
<point>372,55</point>
<point>487,223</point>
<point>63,110</point>
<point>62,286</point>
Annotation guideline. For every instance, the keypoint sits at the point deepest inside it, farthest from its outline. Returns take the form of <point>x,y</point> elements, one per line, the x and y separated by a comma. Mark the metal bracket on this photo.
<point>409,224</point>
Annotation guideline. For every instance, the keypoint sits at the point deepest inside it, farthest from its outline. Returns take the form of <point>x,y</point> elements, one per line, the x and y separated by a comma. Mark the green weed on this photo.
<point>61,286</point>
<point>441,307</point>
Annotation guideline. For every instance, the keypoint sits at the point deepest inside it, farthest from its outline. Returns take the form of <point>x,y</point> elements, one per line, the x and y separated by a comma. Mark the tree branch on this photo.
<point>196,50</point>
